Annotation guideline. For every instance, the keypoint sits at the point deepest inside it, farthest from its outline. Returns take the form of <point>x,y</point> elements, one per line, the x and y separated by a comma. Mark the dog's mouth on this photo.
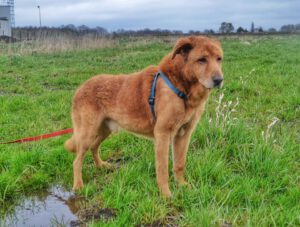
<point>220,85</point>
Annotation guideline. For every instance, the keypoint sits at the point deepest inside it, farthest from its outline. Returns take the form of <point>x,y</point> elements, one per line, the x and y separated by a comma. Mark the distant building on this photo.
<point>5,21</point>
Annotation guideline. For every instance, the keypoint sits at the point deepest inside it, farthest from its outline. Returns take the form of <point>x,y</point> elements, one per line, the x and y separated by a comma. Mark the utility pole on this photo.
<point>40,15</point>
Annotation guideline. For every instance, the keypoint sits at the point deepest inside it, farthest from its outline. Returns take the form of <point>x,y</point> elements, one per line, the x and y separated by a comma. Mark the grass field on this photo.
<point>243,161</point>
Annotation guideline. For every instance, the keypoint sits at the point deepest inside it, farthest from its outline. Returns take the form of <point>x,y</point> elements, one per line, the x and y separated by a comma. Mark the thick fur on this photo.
<point>105,103</point>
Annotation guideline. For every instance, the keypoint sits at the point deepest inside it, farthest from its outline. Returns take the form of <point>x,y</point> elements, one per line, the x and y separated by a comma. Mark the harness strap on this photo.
<point>151,99</point>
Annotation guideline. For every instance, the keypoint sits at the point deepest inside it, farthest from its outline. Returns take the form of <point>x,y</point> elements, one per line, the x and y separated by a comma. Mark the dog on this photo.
<point>106,103</point>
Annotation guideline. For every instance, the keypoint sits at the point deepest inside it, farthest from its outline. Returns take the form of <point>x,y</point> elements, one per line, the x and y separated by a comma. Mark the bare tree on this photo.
<point>241,30</point>
<point>226,27</point>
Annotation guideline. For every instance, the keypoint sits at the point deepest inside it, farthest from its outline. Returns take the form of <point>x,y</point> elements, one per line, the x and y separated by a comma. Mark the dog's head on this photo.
<point>200,60</point>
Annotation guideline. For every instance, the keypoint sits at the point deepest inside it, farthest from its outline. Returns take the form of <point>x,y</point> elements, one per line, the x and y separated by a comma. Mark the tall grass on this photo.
<point>243,160</point>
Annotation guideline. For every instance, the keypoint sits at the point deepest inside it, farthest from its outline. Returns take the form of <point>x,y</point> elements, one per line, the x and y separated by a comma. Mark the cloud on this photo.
<point>168,14</point>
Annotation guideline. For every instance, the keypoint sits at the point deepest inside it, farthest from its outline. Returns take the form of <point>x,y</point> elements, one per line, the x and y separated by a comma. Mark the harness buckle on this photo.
<point>181,95</point>
<point>151,100</point>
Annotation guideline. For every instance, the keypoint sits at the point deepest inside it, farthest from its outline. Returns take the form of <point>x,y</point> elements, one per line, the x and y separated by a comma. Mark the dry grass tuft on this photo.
<point>56,44</point>
<point>224,111</point>
<point>267,135</point>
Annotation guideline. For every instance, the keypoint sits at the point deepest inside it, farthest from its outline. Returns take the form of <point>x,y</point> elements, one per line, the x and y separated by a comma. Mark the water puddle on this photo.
<point>54,207</point>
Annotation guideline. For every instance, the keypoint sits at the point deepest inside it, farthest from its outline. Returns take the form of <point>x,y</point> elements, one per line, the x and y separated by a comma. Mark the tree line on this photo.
<point>227,27</point>
<point>30,32</point>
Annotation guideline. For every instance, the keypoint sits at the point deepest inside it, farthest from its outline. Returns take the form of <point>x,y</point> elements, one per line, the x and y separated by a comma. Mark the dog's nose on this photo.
<point>217,80</point>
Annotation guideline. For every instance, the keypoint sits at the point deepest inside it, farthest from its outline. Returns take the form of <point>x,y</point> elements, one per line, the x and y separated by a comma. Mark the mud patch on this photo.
<point>55,207</point>
<point>168,221</point>
<point>118,159</point>
<point>93,213</point>
<point>226,224</point>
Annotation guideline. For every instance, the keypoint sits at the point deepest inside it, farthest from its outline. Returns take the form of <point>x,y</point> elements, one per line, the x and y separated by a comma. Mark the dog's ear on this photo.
<point>183,47</point>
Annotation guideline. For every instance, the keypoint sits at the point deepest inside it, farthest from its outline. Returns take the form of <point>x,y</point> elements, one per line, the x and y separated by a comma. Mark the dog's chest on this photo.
<point>186,121</point>
<point>191,117</point>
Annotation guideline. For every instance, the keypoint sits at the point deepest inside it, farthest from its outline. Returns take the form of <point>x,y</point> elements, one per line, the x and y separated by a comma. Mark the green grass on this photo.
<point>238,175</point>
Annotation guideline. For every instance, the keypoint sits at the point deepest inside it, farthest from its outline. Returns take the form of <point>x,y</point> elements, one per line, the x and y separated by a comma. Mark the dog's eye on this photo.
<point>219,59</point>
<point>202,60</point>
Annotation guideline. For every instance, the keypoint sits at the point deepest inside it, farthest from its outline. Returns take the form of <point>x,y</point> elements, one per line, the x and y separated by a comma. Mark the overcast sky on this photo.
<point>165,14</point>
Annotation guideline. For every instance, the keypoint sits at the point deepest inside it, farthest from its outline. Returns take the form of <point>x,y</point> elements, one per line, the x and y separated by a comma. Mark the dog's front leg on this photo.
<point>180,148</point>
<point>162,143</point>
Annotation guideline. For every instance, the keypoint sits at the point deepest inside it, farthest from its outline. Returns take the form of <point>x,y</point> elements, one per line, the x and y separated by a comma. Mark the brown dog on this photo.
<point>105,103</point>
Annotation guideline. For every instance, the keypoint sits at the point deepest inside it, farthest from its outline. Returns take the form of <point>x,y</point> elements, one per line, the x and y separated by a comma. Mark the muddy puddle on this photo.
<point>54,207</point>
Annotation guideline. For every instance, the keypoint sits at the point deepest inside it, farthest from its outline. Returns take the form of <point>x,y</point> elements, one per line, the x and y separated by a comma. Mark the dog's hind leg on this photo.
<point>85,138</point>
<point>104,132</point>
<point>70,145</point>
<point>77,165</point>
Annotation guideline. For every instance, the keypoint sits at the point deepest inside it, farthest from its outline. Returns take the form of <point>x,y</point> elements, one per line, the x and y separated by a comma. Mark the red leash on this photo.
<point>41,137</point>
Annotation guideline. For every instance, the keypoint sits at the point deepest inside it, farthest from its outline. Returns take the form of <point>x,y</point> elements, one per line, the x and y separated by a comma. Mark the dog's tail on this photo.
<point>70,145</point>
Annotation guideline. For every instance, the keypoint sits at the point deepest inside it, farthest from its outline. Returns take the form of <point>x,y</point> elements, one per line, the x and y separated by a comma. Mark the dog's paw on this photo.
<point>166,193</point>
<point>184,184</point>
<point>77,186</point>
